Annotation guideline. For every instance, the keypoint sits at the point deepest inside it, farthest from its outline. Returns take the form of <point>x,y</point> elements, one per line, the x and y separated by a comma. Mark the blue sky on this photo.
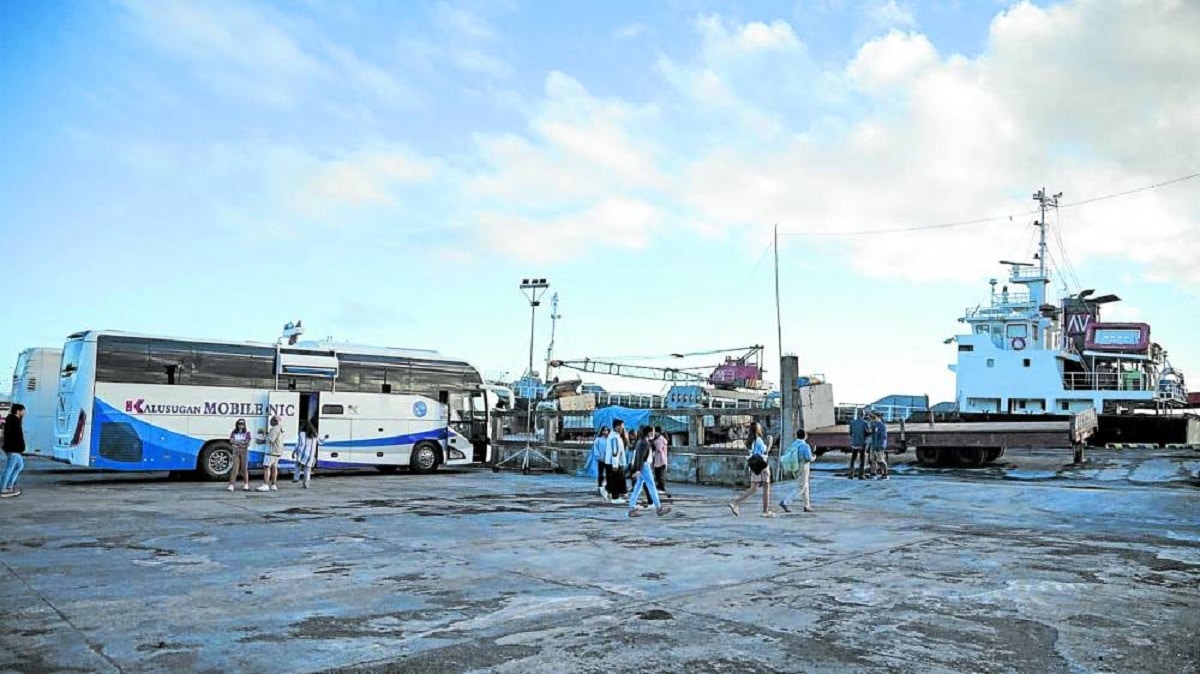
<point>390,171</point>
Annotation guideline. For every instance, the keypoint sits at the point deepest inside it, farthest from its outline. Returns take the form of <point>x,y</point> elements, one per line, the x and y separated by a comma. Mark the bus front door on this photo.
<point>334,428</point>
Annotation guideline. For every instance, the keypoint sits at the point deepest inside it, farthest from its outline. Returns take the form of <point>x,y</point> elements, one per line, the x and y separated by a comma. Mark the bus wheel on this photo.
<point>424,458</point>
<point>216,460</point>
<point>387,469</point>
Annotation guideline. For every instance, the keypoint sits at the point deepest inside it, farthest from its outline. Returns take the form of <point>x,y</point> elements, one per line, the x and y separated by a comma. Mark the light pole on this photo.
<point>533,289</point>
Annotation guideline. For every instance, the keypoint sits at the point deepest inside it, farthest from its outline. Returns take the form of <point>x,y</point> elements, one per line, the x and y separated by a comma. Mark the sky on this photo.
<point>389,172</point>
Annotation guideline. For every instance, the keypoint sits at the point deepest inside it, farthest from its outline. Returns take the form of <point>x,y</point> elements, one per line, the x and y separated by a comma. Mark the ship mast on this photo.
<point>1038,291</point>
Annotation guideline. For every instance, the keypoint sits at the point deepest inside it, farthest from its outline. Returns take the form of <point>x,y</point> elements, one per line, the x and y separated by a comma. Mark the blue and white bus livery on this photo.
<point>142,403</point>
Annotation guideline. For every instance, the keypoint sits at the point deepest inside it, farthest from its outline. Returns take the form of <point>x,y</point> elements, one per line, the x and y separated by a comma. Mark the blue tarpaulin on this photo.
<point>634,419</point>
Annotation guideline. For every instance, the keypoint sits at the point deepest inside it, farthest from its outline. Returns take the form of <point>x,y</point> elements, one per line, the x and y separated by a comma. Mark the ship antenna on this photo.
<point>1044,201</point>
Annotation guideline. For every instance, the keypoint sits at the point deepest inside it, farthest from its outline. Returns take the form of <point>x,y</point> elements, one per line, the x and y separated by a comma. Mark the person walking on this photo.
<point>240,439</point>
<point>859,434</point>
<point>615,462</point>
<point>14,448</point>
<point>271,459</point>
<point>879,461</point>
<point>804,455</point>
<point>305,454</point>
<point>600,456</point>
<point>645,477</point>
<point>760,472</point>
<point>660,461</point>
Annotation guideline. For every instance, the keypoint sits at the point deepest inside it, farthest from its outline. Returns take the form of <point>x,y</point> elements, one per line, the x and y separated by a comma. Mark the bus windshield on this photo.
<point>72,352</point>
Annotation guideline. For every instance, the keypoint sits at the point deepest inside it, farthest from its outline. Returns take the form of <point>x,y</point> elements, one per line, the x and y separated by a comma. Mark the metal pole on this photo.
<point>778,320</point>
<point>529,373</point>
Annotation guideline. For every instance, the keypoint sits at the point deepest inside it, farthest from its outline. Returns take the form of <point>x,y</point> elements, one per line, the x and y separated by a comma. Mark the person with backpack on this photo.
<point>800,457</point>
<point>645,477</point>
<point>760,472</point>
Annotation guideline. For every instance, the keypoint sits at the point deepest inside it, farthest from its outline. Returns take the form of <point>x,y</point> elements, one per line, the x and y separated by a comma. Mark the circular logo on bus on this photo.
<point>419,408</point>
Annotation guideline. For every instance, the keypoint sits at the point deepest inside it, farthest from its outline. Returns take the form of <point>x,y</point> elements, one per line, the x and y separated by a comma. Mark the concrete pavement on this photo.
<point>931,571</point>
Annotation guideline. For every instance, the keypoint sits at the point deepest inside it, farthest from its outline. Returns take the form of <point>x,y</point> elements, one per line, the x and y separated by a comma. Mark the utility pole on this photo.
<point>554,316</point>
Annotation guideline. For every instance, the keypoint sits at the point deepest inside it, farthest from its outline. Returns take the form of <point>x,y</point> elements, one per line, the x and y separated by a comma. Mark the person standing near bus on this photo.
<point>14,447</point>
<point>305,455</point>
<point>240,439</point>
<point>758,455</point>
<point>600,455</point>
<point>271,460</point>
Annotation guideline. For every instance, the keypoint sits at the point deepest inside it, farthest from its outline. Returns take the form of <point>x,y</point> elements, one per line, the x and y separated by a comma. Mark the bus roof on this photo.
<point>339,347</point>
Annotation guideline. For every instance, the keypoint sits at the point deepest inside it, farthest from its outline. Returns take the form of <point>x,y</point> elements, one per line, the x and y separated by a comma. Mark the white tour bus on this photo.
<point>35,385</point>
<point>137,402</point>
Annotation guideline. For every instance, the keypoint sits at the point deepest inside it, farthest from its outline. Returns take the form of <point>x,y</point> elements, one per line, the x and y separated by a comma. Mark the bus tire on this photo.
<point>216,460</point>
<point>388,469</point>
<point>425,458</point>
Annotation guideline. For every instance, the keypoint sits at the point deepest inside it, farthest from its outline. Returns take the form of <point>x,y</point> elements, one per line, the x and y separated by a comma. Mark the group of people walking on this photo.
<point>304,456</point>
<point>868,442</point>
<point>799,455</point>
<point>645,464</point>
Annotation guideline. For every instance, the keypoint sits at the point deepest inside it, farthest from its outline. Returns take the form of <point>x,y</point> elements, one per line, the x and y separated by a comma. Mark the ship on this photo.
<point>1022,354</point>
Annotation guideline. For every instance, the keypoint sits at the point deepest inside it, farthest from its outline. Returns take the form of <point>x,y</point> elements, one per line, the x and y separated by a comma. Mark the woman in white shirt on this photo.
<point>305,455</point>
<point>758,458</point>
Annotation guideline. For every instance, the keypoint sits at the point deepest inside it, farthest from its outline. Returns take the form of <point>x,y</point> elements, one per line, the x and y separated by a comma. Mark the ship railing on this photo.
<point>1107,381</point>
<point>843,413</point>
<point>1026,274</point>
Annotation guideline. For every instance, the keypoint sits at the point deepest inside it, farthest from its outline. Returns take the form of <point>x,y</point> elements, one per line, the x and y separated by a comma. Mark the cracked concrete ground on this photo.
<point>932,571</point>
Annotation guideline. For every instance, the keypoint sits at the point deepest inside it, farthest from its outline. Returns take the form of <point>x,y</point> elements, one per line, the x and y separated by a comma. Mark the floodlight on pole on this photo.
<point>533,289</point>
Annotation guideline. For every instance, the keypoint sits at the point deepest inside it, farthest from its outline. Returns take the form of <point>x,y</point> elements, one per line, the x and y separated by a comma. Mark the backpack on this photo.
<point>790,461</point>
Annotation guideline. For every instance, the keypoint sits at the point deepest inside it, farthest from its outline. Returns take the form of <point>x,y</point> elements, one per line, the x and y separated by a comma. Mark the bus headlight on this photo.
<point>455,454</point>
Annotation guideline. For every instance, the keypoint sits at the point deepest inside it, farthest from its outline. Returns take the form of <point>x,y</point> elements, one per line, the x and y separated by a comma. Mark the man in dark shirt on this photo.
<point>859,431</point>
<point>14,447</point>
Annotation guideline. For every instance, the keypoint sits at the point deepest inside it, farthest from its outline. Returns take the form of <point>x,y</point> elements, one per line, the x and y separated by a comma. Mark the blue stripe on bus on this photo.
<point>161,449</point>
<point>406,439</point>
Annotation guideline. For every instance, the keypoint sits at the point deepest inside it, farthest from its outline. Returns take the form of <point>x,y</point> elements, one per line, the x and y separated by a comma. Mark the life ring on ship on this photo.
<point>1018,343</point>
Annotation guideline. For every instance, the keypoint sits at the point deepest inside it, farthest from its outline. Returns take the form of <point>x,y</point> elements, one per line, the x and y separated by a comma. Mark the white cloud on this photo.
<point>890,14</point>
<point>892,61</point>
<point>748,38</point>
<point>631,31</point>
<point>254,53</point>
<point>462,22</point>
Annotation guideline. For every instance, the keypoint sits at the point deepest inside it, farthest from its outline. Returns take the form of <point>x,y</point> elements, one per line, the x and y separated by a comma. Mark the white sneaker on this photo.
<point>306,484</point>
<point>274,487</point>
<point>229,488</point>
<point>263,488</point>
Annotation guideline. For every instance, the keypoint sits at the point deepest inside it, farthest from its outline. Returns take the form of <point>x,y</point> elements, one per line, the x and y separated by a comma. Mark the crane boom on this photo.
<point>633,371</point>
